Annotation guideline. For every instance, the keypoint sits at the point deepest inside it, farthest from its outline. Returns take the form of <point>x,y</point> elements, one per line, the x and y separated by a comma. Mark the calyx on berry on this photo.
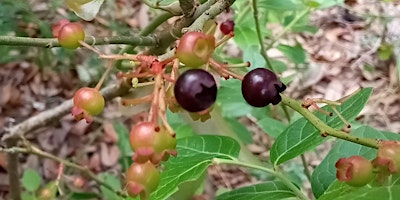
<point>142,179</point>
<point>388,157</point>
<point>195,48</point>
<point>355,171</point>
<point>87,102</point>
<point>70,34</point>
<point>195,90</point>
<point>151,143</point>
<point>261,87</point>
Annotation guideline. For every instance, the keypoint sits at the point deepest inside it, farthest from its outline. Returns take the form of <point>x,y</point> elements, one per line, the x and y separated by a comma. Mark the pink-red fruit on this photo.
<point>195,48</point>
<point>355,171</point>
<point>142,179</point>
<point>70,34</point>
<point>388,157</point>
<point>151,143</point>
<point>87,102</point>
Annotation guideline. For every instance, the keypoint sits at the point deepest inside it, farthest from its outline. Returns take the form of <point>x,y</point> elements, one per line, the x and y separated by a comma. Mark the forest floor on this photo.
<point>342,57</point>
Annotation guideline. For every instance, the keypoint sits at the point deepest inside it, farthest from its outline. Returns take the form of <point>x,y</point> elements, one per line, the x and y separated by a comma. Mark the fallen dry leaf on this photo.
<point>109,155</point>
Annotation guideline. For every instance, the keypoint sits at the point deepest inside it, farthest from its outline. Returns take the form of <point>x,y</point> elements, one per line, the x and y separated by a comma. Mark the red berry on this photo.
<point>70,34</point>
<point>195,48</point>
<point>388,156</point>
<point>151,142</point>
<point>355,171</point>
<point>261,87</point>
<point>142,179</point>
<point>87,102</point>
<point>56,27</point>
<point>195,90</point>
<point>227,27</point>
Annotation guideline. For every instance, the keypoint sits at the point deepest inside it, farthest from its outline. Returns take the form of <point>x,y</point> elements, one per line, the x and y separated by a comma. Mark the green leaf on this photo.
<point>82,195</point>
<point>342,191</point>
<point>385,51</point>
<point>281,5</point>
<point>195,154</point>
<point>253,55</point>
<point>87,10</point>
<point>263,191</point>
<point>112,181</point>
<point>31,180</point>
<point>324,174</point>
<point>302,136</point>
<point>230,99</point>
<point>240,130</point>
<point>272,127</point>
<point>123,145</point>
<point>27,196</point>
<point>296,54</point>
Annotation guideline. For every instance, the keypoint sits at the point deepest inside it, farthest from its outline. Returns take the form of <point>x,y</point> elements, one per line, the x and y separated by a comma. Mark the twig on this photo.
<point>53,42</point>
<point>12,169</point>
<point>36,151</point>
<point>53,114</point>
<point>324,128</point>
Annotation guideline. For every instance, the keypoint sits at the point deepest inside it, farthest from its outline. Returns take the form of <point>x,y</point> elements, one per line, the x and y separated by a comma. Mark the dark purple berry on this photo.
<point>261,86</point>
<point>195,90</point>
<point>227,27</point>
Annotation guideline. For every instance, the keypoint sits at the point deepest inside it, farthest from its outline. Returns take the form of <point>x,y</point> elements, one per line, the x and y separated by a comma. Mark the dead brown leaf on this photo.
<point>109,154</point>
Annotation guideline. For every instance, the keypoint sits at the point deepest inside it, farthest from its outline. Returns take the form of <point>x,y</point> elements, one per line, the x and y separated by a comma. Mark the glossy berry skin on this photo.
<point>227,27</point>
<point>261,87</point>
<point>142,178</point>
<point>356,171</point>
<point>195,48</point>
<point>151,143</point>
<point>388,157</point>
<point>195,90</point>
<point>87,102</point>
<point>57,27</point>
<point>70,34</point>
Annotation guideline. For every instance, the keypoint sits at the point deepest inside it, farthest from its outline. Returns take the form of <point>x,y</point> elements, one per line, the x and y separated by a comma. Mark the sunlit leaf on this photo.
<point>85,9</point>
<point>273,190</point>
<point>195,154</point>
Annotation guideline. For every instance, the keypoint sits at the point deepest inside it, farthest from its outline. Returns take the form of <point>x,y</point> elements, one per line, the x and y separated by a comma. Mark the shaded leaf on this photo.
<point>342,191</point>
<point>296,54</point>
<point>240,130</point>
<point>195,154</point>
<point>302,136</point>
<point>283,5</point>
<point>31,180</point>
<point>112,181</point>
<point>263,191</point>
<point>325,173</point>
<point>271,126</point>
<point>123,145</point>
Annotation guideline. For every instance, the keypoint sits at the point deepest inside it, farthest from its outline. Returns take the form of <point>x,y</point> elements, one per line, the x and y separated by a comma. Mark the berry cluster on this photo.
<point>358,171</point>
<point>194,90</point>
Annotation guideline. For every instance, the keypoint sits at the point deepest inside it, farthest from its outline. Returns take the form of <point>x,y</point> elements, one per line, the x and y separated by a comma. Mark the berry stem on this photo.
<point>221,68</point>
<point>278,175</point>
<point>110,65</point>
<point>153,113</point>
<point>224,39</point>
<point>324,128</point>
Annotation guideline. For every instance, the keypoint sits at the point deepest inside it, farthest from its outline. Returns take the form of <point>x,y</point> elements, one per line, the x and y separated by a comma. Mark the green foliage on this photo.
<point>324,174</point>
<point>342,191</point>
<point>112,181</point>
<point>123,145</point>
<point>195,154</point>
<point>302,136</point>
<point>31,180</point>
<point>272,190</point>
